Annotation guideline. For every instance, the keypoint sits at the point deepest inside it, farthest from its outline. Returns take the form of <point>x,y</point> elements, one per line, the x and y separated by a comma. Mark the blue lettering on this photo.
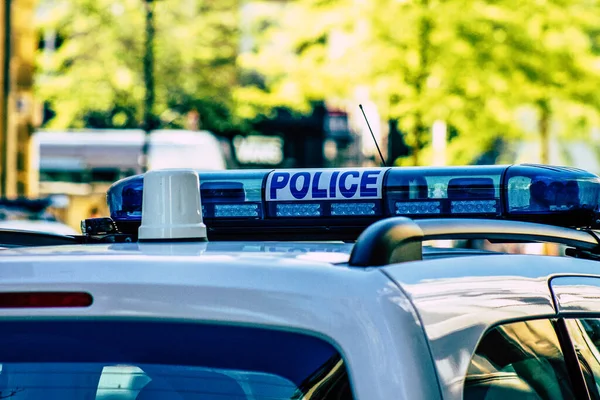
<point>348,192</point>
<point>279,180</point>
<point>316,192</point>
<point>333,184</point>
<point>368,178</point>
<point>312,185</point>
<point>303,191</point>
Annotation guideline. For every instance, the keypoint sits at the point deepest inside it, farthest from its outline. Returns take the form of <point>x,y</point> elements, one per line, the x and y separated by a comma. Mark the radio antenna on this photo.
<point>372,135</point>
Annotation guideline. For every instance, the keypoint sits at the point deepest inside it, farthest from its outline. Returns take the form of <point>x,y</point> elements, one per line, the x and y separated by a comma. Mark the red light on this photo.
<point>45,299</point>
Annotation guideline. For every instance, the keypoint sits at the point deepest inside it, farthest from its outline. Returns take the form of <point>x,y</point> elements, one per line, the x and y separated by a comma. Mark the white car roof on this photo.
<point>333,252</point>
<point>322,252</point>
<point>311,289</point>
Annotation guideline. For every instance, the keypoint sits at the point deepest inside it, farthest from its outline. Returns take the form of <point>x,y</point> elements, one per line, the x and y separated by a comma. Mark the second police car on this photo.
<point>311,284</point>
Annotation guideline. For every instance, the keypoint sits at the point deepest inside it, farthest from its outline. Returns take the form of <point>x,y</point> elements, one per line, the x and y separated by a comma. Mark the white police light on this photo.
<point>171,206</point>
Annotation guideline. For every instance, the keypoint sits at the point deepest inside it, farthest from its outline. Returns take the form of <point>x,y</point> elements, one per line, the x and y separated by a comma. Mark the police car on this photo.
<point>311,284</point>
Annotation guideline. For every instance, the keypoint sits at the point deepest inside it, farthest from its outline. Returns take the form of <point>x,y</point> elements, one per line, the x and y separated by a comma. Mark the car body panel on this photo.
<point>360,311</point>
<point>576,294</point>
<point>458,300</point>
<point>389,322</point>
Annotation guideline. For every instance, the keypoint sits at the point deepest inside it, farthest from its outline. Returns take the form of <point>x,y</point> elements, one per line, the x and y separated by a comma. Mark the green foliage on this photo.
<point>471,63</point>
<point>475,64</point>
<point>95,77</point>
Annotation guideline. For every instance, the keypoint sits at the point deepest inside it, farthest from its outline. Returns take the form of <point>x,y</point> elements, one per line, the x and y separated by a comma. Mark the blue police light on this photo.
<point>124,199</point>
<point>441,191</point>
<point>356,197</point>
<point>232,194</point>
<point>325,193</point>
<point>552,194</point>
<point>223,194</point>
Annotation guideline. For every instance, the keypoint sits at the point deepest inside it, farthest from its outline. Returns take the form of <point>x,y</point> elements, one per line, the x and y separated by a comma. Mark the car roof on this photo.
<point>333,252</point>
<point>453,300</point>
<point>330,252</point>
<point>249,289</point>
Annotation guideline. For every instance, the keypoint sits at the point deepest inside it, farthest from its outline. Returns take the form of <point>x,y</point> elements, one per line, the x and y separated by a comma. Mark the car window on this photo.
<point>520,360</point>
<point>585,335</point>
<point>174,361</point>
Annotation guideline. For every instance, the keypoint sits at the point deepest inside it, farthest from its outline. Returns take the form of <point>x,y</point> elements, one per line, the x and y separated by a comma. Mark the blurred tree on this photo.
<point>545,56</point>
<point>472,63</point>
<point>96,76</point>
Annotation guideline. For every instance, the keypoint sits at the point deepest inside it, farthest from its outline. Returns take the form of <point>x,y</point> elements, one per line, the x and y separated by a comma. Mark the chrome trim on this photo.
<point>458,228</point>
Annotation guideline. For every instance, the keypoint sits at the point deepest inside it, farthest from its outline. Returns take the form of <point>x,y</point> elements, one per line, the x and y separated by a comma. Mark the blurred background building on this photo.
<point>17,106</point>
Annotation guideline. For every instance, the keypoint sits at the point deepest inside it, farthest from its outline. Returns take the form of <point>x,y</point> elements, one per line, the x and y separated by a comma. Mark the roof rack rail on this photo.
<point>399,239</point>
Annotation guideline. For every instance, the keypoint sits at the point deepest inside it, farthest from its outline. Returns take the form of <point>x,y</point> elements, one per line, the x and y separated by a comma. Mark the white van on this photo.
<point>70,161</point>
<point>185,149</point>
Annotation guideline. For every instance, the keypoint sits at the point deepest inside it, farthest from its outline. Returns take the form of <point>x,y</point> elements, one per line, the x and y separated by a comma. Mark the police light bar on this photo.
<point>356,197</point>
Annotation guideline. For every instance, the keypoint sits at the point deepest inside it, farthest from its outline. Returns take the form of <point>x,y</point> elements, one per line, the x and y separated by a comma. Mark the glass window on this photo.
<point>585,335</point>
<point>174,361</point>
<point>63,176</point>
<point>105,174</point>
<point>521,360</point>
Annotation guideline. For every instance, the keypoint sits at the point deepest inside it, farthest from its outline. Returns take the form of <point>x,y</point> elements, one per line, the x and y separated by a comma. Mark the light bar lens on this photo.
<point>544,192</point>
<point>236,210</point>
<point>224,194</point>
<point>327,193</point>
<point>298,210</point>
<point>232,194</point>
<point>474,207</point>
<point>359,196</point>
<point>417,207</point>
<point>124,199</point>
<point>353,209</point>
<point>428,192</point>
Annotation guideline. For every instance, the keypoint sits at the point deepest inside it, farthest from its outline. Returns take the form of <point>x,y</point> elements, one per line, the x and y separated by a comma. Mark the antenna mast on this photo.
<point>372,135</point>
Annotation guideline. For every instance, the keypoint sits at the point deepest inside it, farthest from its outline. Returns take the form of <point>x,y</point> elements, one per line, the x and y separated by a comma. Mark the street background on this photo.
<point>278,84</point>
